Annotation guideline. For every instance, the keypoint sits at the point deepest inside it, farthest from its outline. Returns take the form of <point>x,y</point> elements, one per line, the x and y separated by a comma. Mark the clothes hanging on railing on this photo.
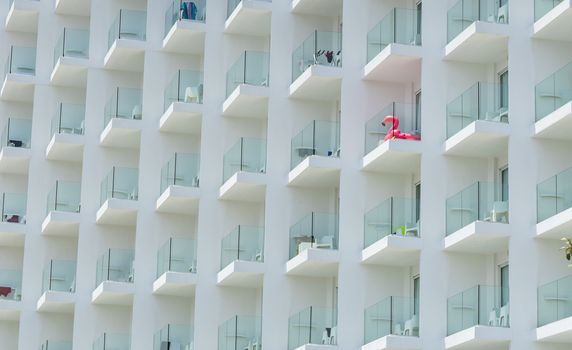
<point>188,10</point>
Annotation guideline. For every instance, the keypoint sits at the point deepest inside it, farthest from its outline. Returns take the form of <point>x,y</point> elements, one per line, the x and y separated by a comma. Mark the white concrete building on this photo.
<point>231,175</point>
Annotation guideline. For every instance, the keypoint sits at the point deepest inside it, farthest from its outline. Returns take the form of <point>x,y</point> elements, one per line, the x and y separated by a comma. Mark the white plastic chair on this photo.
<point>504,315</point>
<point>137,113</point>
<point>493,320</point>
<point>411,325</point>
<point>192,94</point>
<point>500,211</point>
<point>326,242</point>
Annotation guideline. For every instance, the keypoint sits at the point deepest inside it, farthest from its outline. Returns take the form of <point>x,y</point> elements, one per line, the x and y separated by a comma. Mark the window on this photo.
<point>419,7</point>
<point>504,285</point>
<point>504,184</point>
<point>416,287</point>
<point>417,201</point>
<point>418,112</point>
<point>503,98</point>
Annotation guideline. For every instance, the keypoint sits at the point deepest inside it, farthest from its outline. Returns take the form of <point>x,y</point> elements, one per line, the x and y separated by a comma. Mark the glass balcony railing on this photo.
<point>186,86</point>
<point>315,230</point>
<point>554,301</point>
<point>120,183</point>
<point>252,68</point>
<point>14,207</point>
<point>59,276</point>
<point>18,133</point>
<point>21,60</point>
<point>319,138</point>
<point>185,10</point>
<point>394,216</point>
<point>244,243</point>
<point>112,341</point>
<point>393,315</point>
<point>313,325</point>
<point>72,43</point>
<point>240,332</point>
<point>480,305</point>
<point>465,12</point>
<point>554,195</point>
<point>320,48</point>
<point>128,24</point>
<point>554,92</point>
<point>479,202</point>
<point>10,285</point>
<point>247,155</point>
<point>177,255</point>
<point>399,26</point>
<point>174,337</point>
<point>69,119</point>
<point>115,265</point>
<point>181,170</point>
<point>396,121</point>
<point>542,7</point>
<point>65,196</point>
<point>482,101</point>
<point>124,104</point>
<point>56,345</point>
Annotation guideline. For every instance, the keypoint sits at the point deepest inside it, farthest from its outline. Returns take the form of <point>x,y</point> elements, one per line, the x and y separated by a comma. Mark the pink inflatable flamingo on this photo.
<point>394,133</point>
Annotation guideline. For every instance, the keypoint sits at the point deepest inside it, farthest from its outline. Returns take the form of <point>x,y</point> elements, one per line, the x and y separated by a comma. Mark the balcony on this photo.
<point>554,206</point>
<point>242,258</point>
<point>174,337</point>
<point>554,313</point>
<point>315,153</point>
<point>477,31</point>
<point>392,324</point>
<point>12,227</point>
<point>316,67</point>
<point>63,210</point>
<point>71,59</point>
<point>185,27</point>
<point>554,105</point>
<point>176,268</point>
<point>67,130</point>
<point>478,318</point>
<point>13,224</point>
<point>314,246</point>
<point>240,332</point>
<point>388,140</point>
<point>56,345</point>
<point>183,104</point>
<point>248,17</point>
<point>122,119</point>
<point>244,171</point>
<point>180,185</point>
<point>553,19</point>
<point>247,83</point>
<point>114,278</point>
<point>394,47</point>
<point>313,325</point>
<point>126,42</point>
<point>10,294</point>
<point>58,287</point>
<point>477,220</point>
<point>391,233</point>
<point>23,16</point>
<point>16,142</point>
<point>112,341</point>
<point>73,7</point>
<point>477,122</point>
<point>119,193</point>
<point>20,75</point>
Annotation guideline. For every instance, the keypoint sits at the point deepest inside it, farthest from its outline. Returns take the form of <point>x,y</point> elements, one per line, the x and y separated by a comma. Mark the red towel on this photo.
<point>5,291</point>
